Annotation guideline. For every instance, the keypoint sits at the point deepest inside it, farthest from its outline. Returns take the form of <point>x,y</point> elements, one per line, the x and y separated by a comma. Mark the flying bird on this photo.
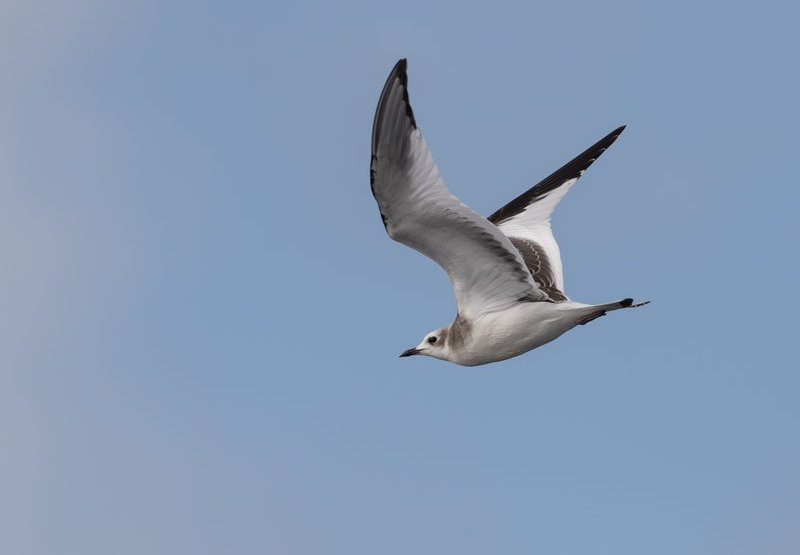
<point>505,269</point>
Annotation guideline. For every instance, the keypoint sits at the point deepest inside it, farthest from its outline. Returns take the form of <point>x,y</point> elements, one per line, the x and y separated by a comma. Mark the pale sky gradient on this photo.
<point>200,312</point>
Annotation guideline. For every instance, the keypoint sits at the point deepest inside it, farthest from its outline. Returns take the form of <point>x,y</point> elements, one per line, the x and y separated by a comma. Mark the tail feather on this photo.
<point>628,303</point>
<point>596,312</point>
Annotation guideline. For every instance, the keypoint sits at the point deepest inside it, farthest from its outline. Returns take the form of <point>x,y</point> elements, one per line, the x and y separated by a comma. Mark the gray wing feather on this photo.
<point>486,271</point>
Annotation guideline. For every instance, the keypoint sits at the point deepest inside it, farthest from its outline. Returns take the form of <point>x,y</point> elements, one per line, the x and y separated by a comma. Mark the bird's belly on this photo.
<point>504,335</point>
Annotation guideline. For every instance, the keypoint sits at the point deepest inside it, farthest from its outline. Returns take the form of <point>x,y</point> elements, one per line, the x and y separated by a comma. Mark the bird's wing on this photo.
<point>526,219</point>
<point>487,272</point>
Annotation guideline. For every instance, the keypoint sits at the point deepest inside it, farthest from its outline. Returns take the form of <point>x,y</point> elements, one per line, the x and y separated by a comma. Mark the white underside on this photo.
<point>500,335</point>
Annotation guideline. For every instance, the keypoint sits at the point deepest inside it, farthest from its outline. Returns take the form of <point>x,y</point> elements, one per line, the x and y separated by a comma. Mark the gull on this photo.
<point>505,269</point>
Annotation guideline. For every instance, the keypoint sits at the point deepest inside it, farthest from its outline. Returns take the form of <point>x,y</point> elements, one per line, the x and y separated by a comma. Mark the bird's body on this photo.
<point>496,336</point>
<point>506,269</point>
<point>500,335</point>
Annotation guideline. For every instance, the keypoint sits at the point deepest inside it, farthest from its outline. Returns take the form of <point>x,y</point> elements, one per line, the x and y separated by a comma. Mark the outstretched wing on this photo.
<point>526,219</point>
<point>487,272</point>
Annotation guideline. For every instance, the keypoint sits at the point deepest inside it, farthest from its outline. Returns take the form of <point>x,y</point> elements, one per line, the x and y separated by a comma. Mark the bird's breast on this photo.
<point>501,335</point>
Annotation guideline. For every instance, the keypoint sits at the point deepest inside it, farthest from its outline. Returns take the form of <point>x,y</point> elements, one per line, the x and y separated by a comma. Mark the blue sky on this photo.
<point>200,312</point>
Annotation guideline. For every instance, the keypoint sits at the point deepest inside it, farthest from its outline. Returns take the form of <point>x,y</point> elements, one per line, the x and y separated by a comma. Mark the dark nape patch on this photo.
<point>625,303</point>
<point>459,332</point>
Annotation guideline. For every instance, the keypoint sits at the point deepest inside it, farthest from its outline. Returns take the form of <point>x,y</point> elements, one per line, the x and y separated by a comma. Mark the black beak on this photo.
<point>409,352</point>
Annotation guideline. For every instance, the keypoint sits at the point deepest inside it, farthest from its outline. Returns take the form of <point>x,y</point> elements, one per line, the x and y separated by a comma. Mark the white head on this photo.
<point>434,344</point>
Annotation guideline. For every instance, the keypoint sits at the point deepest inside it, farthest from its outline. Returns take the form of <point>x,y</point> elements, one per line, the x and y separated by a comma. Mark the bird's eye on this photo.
<point>432,339</point>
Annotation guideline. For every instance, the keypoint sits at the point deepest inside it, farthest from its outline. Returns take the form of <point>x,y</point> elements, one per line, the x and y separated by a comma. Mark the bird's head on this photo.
<point>434,344</point>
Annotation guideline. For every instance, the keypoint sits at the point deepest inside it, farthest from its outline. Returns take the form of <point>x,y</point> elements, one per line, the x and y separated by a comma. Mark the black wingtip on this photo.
<point>608,140</point>
<point>399,71</point>
<point>571,170</point>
